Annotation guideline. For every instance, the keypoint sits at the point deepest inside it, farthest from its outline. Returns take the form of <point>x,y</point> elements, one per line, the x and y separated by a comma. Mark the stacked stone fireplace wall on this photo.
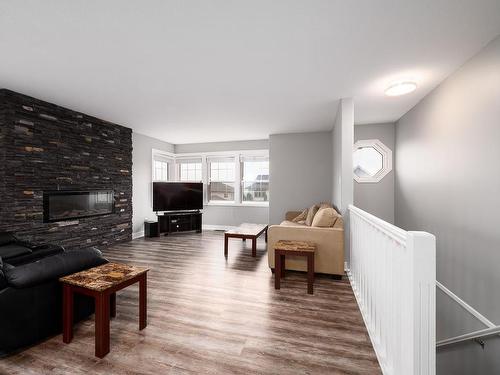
<point>46,147</point>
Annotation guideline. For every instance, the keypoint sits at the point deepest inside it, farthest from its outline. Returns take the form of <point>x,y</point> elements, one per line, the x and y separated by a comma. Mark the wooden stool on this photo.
<point>303,248</point>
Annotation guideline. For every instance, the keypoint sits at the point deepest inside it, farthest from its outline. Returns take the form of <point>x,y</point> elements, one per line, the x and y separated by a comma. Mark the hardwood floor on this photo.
<point>209,315</point>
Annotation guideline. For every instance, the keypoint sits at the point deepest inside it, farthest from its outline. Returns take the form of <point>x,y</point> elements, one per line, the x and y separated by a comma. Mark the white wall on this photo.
<point>448,183</point>
<point>260,144</point>
<point>300,168</point>
<point>377,198</point>
<point>224,216</point>
<point>142,177</point>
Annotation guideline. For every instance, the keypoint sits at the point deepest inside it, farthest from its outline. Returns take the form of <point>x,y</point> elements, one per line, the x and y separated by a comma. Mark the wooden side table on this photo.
<point>102,283</point>
<point>301,248</point>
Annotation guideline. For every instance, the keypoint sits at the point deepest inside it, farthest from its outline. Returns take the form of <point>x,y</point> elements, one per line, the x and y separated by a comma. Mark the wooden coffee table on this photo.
<point>246,231</point>
<point>102,283</point>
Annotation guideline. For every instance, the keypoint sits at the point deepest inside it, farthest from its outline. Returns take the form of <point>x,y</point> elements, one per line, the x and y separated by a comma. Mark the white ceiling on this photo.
<point>198,71</point>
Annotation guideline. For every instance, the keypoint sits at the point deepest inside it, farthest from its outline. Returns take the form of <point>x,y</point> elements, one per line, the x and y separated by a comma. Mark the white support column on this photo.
<point>343,142</point>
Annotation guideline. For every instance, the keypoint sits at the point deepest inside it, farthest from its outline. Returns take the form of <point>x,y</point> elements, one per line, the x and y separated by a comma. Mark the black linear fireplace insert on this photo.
<point>65,205</point>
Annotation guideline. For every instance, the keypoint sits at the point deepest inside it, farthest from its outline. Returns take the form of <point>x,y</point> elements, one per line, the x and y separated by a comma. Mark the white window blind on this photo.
<point>190,169</point>
<point>221,171</point>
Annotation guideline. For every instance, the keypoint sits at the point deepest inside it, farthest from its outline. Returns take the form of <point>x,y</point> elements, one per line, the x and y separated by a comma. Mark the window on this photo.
<point>160,170</point>
<point>255,179</point>
<point>372,161</point>
<point>190,170</point>
<point>221,179</point>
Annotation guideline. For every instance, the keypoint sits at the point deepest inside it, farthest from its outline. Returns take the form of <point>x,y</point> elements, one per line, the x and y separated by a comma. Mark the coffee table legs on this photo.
<point>254,244</point>
<point>143,297</point>
<point>102,312</point>
<point>67,313</point>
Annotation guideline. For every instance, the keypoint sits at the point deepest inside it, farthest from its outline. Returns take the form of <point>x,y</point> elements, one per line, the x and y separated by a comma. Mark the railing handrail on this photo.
<point>490,330</point>
<point>482,333</point>
<point>393,231</point>
<point>393,276</point>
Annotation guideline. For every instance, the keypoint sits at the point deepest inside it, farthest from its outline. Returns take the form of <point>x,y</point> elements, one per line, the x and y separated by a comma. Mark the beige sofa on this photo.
<point>329,256</point>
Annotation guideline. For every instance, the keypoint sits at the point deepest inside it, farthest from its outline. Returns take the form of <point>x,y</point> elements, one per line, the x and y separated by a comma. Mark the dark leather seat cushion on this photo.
<point>13,250</point>
<point>3,280</point>
<point>54,267</point>
<point>37,252</point>
<point>6,238</point>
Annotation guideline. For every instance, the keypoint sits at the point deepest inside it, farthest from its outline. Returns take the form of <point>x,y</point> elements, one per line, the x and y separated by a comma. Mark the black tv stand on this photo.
<point>179,221</point>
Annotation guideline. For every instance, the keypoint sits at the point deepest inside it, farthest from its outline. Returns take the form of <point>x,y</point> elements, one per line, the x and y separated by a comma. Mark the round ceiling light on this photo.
<point>401,88</point>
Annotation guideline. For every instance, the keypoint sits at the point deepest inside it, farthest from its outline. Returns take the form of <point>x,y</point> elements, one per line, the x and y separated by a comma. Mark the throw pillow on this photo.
<point>301,217</point>
<point>339,223</point>
<point>310,214</point>
<point>325,218</point>
<point>325,205</point>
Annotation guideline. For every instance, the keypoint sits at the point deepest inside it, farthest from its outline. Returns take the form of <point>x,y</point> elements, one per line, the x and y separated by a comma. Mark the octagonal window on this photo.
<point>372,160</point>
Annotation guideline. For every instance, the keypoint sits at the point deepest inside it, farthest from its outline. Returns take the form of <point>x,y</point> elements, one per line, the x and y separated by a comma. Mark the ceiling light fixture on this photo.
<point>401,88</point>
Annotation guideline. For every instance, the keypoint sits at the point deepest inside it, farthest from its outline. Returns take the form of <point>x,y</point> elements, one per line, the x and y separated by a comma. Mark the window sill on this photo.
<point>233,204</point>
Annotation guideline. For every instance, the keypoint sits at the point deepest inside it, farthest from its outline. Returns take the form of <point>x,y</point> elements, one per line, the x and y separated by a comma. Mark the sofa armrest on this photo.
<point>54,267</point>
<point>290,215</point>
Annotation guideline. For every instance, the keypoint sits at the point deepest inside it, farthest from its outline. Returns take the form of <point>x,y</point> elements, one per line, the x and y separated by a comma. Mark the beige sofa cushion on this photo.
<point>301,217</point>
<point>288,223</point>
<point>325,218</point>
<point>325,205</point>
<point>339,223</point>
<point>310,214</point>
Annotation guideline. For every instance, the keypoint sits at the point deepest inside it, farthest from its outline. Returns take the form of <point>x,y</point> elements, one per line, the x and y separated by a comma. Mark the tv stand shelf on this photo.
<point>172,222</point>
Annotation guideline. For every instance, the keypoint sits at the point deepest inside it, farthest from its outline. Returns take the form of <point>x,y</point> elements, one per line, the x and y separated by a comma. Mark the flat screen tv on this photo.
<point>177,196</point>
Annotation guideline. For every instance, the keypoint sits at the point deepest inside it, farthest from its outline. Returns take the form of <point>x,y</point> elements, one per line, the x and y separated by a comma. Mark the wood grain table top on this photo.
<point>248,229</point>
<point>295,246</point>
<point>103,277</point>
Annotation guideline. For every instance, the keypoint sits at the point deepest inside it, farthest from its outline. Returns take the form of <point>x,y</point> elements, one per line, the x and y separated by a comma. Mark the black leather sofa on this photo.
<point>30,293</point>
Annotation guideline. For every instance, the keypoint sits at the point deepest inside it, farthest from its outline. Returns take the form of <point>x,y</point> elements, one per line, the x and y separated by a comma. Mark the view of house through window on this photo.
<point>160,170</point>
<point>221,181</point>
<point>190,170</point>
<point>255,181</point>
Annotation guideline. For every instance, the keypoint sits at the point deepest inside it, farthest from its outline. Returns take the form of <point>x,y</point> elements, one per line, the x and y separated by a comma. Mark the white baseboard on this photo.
<point>137,235</point>
<point>217,227</point>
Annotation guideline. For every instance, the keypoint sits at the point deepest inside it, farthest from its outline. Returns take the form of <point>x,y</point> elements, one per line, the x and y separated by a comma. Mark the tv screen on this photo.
<point>177,196</point>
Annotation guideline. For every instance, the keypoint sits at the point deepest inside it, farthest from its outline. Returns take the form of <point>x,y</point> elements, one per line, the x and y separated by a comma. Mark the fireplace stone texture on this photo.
<point>47,147</point>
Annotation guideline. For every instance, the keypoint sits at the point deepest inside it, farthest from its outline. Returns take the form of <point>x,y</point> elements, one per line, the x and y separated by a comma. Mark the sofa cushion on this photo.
<point>6,238</point>
<point>301,217</point>
<point>54,267</point>
<point>339,223</point>
<point>13,250</point>
<point>325,218</point>
<point>288,223</point>
<point>310,214</point>
<point>37,252</point>
<point>3,280</point>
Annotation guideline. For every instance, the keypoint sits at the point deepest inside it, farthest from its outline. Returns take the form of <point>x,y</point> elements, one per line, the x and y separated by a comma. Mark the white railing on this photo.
<point>393,275</point>
<point>491,328</point>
